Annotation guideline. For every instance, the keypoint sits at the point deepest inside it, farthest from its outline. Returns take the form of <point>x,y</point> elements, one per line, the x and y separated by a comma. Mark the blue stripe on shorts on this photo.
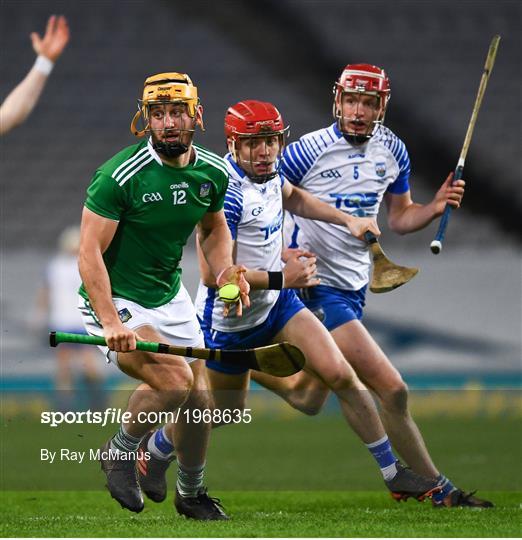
<point>334,307</point>
<point>287,305</point>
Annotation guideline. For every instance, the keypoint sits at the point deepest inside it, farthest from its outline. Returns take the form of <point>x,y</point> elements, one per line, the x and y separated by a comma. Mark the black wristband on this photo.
<point>275,280</point>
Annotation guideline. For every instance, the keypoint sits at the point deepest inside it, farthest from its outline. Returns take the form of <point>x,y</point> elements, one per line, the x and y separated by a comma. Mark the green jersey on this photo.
<point>157,207</point>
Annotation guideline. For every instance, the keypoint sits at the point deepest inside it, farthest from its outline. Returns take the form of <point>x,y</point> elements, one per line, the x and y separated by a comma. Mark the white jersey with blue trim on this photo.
<point>254,214</point>
<point>354,179</point>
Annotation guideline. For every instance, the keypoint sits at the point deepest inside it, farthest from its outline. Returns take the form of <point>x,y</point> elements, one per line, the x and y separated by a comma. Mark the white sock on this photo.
<point>389,472</point>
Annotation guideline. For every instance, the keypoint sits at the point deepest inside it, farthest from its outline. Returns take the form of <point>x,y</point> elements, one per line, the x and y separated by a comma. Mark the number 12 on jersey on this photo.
<point>179,196</point>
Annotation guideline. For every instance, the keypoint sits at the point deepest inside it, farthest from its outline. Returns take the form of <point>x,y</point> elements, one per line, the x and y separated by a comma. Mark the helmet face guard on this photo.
<point>160,91</point>
<point>252,123</point>
<point>361,79</point>
<point>250,164</point>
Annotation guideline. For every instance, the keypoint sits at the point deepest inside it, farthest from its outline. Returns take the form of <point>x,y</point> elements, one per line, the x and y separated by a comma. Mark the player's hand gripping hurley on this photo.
<point>386,275</point>
<point>436,245</point>
<point>280,359</point>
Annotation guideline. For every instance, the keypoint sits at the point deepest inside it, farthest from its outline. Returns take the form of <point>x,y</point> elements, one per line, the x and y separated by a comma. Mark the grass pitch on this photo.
<point>256,514</point>
<point>294,477</point>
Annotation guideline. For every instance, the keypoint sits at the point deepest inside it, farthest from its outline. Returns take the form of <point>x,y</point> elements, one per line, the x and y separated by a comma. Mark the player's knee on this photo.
<point>395,399</point>
<point>178,378</point>
<point>184,377</point>
<point>343,378</point>
<point>200,398</point>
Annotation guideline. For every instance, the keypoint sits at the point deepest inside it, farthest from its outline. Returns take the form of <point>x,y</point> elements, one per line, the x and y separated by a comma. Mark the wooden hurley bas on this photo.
<point>386,274</point>
<point>281,359</point>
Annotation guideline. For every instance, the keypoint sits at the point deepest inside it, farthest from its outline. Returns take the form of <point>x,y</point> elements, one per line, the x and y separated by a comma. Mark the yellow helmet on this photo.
<point>164,88</point>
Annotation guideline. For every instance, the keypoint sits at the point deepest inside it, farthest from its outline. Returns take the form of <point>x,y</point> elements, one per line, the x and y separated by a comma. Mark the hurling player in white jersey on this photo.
<point>353,165</point>
<point>254,203</point>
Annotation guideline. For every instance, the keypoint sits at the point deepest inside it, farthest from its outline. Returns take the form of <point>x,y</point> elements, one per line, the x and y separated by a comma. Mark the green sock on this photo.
<point>190,480</point>
<point>124,442</point>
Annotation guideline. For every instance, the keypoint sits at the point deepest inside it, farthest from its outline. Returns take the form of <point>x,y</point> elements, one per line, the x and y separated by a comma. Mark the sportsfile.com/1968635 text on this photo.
<point>113,415</point>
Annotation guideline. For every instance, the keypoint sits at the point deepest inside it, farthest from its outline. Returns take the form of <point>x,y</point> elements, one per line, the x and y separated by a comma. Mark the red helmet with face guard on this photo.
<point>251,117</point>
<point>362,79</point>
<point>254,119</point>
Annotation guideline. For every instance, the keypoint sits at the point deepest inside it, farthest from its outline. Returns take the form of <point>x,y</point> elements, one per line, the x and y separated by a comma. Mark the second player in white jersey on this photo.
<point>354,165</point>
<point>351,178</point>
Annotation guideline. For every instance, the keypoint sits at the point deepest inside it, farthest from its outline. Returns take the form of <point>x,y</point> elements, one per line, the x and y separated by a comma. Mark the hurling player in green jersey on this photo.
<point>141,207</point>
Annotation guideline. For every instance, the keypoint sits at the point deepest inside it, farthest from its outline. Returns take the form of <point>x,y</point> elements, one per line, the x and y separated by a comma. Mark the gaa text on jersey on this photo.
<point>152,197</point>
<point>331,173</point>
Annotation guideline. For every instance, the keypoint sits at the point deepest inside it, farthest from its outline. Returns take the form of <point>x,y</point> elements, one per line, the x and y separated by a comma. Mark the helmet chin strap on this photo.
<point>356,140</point>
<point>170,150</point>
<point>262,179</point>
<point>173,149</point>
<point>257,178</point>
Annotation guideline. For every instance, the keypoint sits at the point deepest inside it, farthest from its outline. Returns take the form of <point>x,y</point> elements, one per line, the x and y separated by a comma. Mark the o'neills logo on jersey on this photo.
<point>182,185</point>
<point>152,197</point>
<point>380,169</point>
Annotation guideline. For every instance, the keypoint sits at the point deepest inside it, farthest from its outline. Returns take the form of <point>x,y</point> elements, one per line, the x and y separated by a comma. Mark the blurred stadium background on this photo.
<point>457,325</point>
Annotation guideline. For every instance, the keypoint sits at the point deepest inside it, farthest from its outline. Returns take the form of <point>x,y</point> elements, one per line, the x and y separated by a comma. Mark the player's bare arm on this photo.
<point>215,241</point>
<point>205,273</point>
<point>302,203</point>
<point>298,273</point>
<point>96,235</point>
<point>406,216</point>
<point>215,244</point>
<point>20,102</point>
<point>289,252</point>
<point>209,279</point>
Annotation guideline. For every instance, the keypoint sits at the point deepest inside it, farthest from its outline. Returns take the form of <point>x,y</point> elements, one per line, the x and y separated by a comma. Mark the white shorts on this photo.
<point>175,321</point>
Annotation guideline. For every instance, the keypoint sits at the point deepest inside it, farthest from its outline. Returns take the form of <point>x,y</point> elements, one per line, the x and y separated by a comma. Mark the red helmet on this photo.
<point>364,79</point>
<point>252,118</point>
